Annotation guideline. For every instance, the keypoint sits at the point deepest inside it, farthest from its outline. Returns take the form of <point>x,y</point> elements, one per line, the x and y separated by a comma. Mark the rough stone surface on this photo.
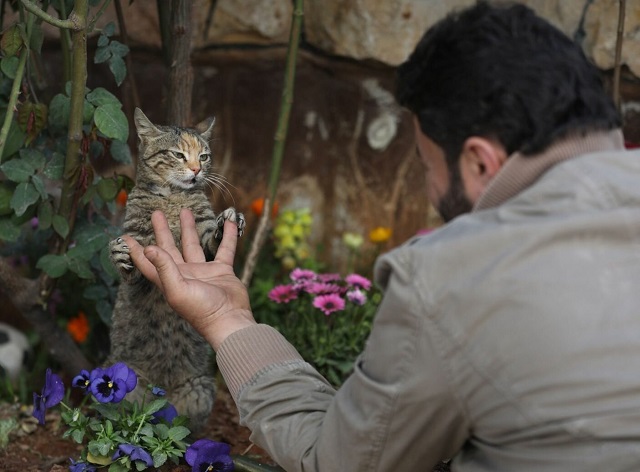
<point>372,29</point>
<point>601,26</point>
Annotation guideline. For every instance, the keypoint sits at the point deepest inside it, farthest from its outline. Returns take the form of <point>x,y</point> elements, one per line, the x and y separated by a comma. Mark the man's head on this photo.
<point>506,77</point>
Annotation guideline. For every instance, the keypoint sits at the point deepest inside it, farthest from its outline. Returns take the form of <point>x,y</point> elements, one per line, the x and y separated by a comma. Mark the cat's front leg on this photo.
<point>232,215</point>
<point>121,260</point>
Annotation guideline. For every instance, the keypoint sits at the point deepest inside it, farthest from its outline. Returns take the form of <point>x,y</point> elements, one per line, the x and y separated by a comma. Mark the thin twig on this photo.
<point>125,40</point>
<point>618,59</point>
<point>279,140</point>
<point>97,16</point>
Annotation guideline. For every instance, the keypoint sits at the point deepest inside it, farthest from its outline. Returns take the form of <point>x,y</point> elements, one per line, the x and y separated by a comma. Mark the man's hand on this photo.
<point>207,294</point>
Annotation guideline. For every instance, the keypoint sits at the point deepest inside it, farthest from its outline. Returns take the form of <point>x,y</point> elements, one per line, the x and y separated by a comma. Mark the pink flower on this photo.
<point>357,297</point>
<point>329,303</point>
<point>328,277</point>
<point>319,288</point>
<point>358,281</point>
<point>283,293</point>
<point>298,274</point>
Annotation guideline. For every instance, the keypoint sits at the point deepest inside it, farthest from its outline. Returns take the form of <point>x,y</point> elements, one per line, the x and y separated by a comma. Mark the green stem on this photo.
<point>13,98</point>
<point>15,88</point>
<point>68,24</point>
<point>97,16</point>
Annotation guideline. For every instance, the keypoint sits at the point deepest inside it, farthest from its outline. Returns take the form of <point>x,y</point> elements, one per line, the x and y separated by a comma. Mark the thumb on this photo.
<point>169,275</point>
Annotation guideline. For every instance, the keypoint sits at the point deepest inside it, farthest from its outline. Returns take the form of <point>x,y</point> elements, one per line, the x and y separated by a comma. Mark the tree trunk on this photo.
<point>180,70</point>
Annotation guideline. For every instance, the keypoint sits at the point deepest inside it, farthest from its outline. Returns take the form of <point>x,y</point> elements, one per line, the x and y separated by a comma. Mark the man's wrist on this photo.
<point>228,324</point>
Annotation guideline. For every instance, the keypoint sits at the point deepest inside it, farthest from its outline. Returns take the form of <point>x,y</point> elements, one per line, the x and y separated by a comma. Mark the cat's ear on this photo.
<point>146,129</point>
<point>206,127</point>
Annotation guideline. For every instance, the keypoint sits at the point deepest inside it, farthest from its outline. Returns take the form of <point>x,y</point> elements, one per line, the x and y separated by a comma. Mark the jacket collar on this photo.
<point>519,172</point>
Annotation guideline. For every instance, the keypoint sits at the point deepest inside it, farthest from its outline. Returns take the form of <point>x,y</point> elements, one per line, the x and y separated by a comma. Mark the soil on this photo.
<point>37,448</point>
<point>42,448</point>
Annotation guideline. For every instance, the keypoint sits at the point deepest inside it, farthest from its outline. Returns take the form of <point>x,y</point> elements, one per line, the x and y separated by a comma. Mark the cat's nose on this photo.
<point>195,170</point>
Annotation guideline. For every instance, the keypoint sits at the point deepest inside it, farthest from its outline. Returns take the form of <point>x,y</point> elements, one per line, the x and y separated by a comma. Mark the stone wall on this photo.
<point>350,151</point>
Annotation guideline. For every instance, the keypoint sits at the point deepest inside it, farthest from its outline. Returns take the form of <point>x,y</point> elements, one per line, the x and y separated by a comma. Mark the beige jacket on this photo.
<point>508,340</point>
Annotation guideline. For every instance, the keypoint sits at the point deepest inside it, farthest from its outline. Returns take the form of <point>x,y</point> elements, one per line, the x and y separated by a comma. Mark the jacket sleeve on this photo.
<point>395,412</point>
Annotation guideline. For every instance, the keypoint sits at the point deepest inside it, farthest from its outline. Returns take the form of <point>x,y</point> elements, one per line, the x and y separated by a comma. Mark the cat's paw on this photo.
<point>232,215</point>
<point>121,257</point>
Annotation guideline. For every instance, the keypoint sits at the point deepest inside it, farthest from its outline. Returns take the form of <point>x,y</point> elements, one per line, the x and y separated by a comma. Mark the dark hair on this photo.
<point>502,73</point>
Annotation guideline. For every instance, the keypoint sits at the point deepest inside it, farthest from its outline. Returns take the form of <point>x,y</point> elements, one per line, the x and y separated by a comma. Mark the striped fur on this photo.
<point>174,166</point>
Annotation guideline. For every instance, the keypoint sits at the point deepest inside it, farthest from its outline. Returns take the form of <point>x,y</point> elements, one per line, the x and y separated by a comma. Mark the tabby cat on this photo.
<point>173,167</point>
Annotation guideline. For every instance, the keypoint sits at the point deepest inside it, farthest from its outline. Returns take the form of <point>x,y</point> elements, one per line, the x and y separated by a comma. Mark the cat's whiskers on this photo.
<point>219,182</point>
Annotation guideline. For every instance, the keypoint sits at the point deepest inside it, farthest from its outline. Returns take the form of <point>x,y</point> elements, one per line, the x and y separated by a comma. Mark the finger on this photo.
<point>164,237</point>
<point>191,249</point>
<point>171,281</point>
<point>227,248</point>
<point>140,260</point>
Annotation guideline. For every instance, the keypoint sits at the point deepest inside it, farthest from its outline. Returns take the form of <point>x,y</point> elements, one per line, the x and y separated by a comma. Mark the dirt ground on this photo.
<point>42,449</point>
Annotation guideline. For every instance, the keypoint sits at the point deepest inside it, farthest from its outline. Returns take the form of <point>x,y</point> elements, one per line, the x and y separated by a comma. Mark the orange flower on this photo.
<point>257,206</point>
<point>121,198</point>
<point>380,234</point>
<point>78,327</point>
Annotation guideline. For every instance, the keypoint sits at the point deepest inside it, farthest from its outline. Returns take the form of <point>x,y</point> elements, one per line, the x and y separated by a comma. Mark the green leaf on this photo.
<point>81,252</point>
<point>37,38</point>
<point>34,157</point>
<point>100,96</point>
<point>9,231</point>
<point>77,435</point>
<point>107,410</point>
<point>109,29</point>
<point>178,432</point>
<point>120,152</point>
<point>118,49</point>
<point>18,170</point>
<point>95,292</point>
<point>60,225</point>
<point>159,458</point>
<point>53,264</point>
<point>92,235</point>
<point>155,405</point>
<point>6,192</point>
<point>108,189</point>
<point>59,111</point>
<point>87,112</point>
<point>37,182</point>
<point>112,122</point>
<point>55,167</point>
<point>11,41</point>
<point>103,54</point>
<point>118,68</point>
<point>24,196</point>
<point>103,41</point>
<point>15,140</point>
<point>107,265</point>
<point>105,310</point>
<point>9,66</point>
<point>80,267</point>
<point>45,215</point>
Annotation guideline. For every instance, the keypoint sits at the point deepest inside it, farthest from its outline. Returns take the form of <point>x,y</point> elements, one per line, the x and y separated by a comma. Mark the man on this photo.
<point>509,339</point>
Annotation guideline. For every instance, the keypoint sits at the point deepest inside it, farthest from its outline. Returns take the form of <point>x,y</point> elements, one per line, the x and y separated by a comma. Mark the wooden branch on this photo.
<point>13,99</point>
<point>180,69</point>
<point>258,241</point>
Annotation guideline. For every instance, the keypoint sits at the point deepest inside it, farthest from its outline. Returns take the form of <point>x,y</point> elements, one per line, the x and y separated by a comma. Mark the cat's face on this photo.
<point>172,156</point>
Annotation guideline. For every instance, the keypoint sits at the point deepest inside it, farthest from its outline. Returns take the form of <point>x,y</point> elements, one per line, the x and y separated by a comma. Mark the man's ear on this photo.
<point>481,159</point>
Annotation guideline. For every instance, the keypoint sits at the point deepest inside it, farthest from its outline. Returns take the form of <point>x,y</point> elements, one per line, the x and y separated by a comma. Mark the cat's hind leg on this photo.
<point>194,399</point>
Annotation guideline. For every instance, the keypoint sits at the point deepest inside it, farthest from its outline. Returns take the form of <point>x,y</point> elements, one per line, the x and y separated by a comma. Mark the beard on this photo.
<point>454,203</point>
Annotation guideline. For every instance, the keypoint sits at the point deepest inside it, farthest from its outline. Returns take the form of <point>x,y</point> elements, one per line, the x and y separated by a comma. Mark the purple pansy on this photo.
<point>110,385</point>
<point>135,453</point>
<point>158,392</point>
<point>82,381</point>
<point>168,413</point>
<point>52,394</point>
<point>81,466</point>
<point>207,455</point>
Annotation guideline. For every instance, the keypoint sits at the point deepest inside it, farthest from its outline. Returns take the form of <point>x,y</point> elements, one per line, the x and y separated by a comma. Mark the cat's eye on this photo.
<point>180,155</point>
<point>205,157</point>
